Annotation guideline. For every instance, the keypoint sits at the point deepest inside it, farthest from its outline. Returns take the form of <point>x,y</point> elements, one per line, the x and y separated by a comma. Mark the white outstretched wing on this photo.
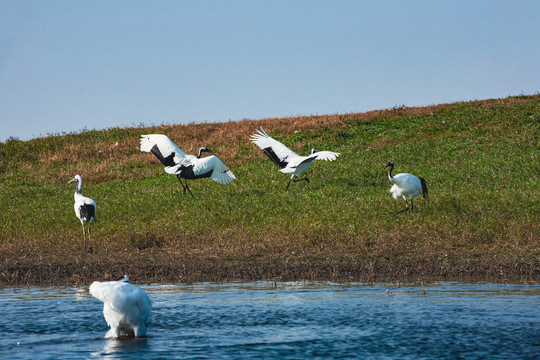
<point>176,161</point>
<point>276,151</point>
<point>163,148</point>
<point>220,173</point>
<point>192,167</point>
<point>299,160</point>
<point>181,162</point>
<point>326,155</point>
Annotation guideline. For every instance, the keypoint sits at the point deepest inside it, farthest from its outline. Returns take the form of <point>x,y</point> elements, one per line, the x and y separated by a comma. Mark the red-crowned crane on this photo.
<point>185,166</point>
<point>85,210</point>
<point>289,161</point>
<point>126,307</point>
<point>406,185</point>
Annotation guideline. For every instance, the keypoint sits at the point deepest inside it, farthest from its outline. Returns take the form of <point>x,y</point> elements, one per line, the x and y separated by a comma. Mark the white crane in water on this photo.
<point>126,307</point>
<point>407,186</point>
<point>85,210</point>
<point>185,166</point>
<point>289,161</point>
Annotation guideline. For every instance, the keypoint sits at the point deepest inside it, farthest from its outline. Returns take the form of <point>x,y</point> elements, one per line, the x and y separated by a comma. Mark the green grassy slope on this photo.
<point>480,160</point>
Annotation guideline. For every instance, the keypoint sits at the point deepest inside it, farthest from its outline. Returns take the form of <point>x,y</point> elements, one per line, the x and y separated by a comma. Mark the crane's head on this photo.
<point>76,178</point>
<point>203,149</point>
<point>123,278</point>
<point>391,164</point>
<point>312,151</point>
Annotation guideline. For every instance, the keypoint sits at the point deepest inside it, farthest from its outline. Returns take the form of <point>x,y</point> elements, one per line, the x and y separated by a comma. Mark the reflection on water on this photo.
<point>291,320</point>
<point>115,348</point>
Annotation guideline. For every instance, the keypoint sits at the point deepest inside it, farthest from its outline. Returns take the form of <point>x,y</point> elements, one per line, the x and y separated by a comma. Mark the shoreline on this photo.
<point>82,271</point>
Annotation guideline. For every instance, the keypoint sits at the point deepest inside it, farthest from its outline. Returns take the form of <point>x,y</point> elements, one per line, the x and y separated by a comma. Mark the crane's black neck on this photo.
<point>201,151</point>
<point>390,168</point>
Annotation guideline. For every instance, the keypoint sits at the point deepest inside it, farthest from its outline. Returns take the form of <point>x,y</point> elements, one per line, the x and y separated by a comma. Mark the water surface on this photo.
<point>292,320</point>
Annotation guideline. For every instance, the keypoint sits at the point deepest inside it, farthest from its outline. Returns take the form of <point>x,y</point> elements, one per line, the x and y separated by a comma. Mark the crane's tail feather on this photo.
<point>424,188</point>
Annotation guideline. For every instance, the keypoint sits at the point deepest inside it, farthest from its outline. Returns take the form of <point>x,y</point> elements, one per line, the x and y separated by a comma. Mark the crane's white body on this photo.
<point>289,161</point>
<point>185,165</point>
<point>126,307</point>
<point>85,209</point>
<point>80,202</point>
<point>407,186</point>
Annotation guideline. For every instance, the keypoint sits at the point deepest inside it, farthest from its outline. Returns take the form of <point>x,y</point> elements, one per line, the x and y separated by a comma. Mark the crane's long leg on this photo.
<point>181,183</point>
<point>84,236</point>
<point>187,187</point>
<point>89,238</point>
<point>184,186</point>
<point>406,208</point>
<point>412,207</point>
<point>294,179</point>
<point>289,183</point>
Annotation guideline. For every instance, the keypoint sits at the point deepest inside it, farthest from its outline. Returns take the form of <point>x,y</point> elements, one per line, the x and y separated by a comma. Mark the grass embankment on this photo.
<point>480,160</point>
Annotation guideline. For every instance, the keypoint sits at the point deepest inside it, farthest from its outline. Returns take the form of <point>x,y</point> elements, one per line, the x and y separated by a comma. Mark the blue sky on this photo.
<point>71,65</point>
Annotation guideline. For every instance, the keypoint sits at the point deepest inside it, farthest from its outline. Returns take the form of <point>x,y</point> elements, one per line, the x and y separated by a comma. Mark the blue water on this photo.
<point>292,320</point>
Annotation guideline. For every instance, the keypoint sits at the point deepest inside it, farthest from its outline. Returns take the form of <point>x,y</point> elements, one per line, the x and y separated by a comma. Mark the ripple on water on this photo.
<point>292,320</point>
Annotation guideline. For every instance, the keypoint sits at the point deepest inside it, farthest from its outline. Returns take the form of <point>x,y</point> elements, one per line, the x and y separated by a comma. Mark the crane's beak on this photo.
<point>387,165</point>
<point>71,180</point>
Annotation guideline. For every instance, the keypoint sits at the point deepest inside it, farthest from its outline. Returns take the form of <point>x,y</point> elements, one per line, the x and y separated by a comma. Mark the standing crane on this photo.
<point>406,185</point>
<point>126,307</point>
<point>289,161</point>
<point>185,166</point>
<point>85,210</point>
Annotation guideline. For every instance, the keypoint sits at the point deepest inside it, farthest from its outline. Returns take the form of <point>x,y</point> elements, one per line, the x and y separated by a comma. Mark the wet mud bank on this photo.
<point>86,269</point>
